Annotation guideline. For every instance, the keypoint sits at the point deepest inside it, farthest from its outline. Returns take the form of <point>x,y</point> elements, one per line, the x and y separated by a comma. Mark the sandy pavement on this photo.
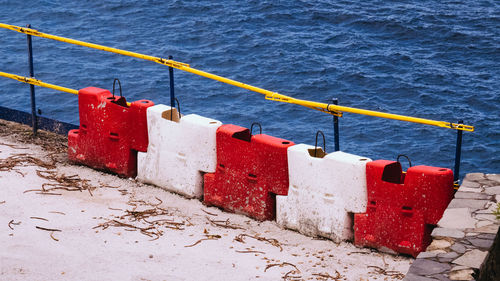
<point>89,225</point>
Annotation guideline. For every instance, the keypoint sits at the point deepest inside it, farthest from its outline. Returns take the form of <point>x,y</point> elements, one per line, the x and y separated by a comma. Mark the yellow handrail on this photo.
<point>37,82</point>
<point>332,107</point>
<point>270,95</point>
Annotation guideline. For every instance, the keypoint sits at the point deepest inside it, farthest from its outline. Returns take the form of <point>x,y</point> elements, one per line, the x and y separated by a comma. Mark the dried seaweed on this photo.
<point>13,223</point>
<point>272,241</point>
<point>24,134</point>
<point>208,213</point>
<point>52,236</point>
<point>391,273</point>
<point>39,218</point>
<point>249,252</point>
<point>327,276</point>
<point>209,237</point>
<point>63,182</point>
<point>47,229</point>
<point>15,146</point>
<point>287,275</point>
<point>140,220</point>
<point>224,224</point>
<point>22,159</point>
<point>281,265</point>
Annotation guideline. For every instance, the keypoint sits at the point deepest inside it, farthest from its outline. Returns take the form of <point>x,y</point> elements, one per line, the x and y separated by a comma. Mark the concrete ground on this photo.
<point>65,222</point>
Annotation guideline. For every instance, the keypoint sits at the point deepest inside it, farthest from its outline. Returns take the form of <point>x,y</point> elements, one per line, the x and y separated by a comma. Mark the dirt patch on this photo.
<point>56,145</point>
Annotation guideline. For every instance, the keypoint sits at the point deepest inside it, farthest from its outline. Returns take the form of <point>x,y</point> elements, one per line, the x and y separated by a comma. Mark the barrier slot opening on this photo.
<point>319,152</point>
<point>171,115</point>
<point>393,173</point>
<point>243,135</point>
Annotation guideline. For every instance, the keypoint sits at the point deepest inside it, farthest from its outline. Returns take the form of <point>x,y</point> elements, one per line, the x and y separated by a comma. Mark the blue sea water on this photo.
<point>431,59</point>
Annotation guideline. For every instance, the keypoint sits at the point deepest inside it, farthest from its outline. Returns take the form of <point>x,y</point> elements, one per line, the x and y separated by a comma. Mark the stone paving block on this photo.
<point>447,232</point>
<point>473,258</point>
<point>492,190</point>
<point>440,277</point>
<point>493,177</point>
<point>487,217</point>
<point>480,224</point>
<point>474,177</point>
<point>486,236</point>
<point>427,267</point>
<point>449,255</point>
<point>425,255</point>
<point>468,189</point>
<point>459,267</point>
<point>462,274</point>
<point>469,184</point>
<point>444,260</point>
<point>486,183</point>
<point>438,252</point>
<point>490,208</point>
<point>458,248</point>
<point>438,244</point>
<point>471,195</point>
<point>458,218</point>
<point>470,203</point>
<point>415,277</point>
<point>481,243</point>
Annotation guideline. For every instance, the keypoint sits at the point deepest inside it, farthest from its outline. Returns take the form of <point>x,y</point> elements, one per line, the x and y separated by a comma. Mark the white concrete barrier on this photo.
<point>324,193</point>
<point>179,151</point>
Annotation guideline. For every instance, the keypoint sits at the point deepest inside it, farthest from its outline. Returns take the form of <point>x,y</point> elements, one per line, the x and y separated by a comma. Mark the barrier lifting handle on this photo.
<point>178,110</point>
<point>120,85</point>
<point>121,101</point>
<point>405,156</point>
<point>316,143</point>
<point>251,128</point>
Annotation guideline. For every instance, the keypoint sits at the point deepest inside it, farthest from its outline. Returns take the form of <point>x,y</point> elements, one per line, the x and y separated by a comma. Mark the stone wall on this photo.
<point>490,270</point>
<point>464,235</point>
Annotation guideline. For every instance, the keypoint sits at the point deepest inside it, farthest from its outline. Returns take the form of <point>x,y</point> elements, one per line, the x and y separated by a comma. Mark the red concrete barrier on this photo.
<point>402,208</point>
<point>251,170</point>
<point>110,133</point>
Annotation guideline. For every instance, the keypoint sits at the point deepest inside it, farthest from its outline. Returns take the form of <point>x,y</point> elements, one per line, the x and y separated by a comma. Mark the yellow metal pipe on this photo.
<point>270,95</point>
<point>332,107</point>
<point>34,32</point>
<point>37,82</point>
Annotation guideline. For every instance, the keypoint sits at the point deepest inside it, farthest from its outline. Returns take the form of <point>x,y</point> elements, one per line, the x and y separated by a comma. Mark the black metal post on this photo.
<point>336,127</point>
<point>34,121</point>
<point>171,75</point>
<point>458,152</point>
